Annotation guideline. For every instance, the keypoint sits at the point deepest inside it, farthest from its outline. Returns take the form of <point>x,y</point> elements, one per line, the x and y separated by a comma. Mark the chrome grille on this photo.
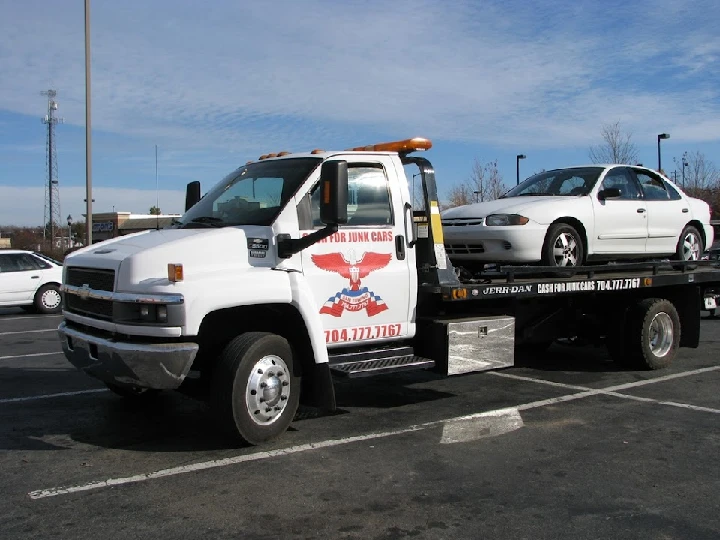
<point>95,278</point>
<point>94,307</point>
<point>462,222</point>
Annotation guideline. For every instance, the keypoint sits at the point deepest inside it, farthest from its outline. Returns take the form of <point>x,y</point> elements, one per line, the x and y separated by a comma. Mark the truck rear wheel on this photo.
<point>653,334</point>
<point>254,392</point>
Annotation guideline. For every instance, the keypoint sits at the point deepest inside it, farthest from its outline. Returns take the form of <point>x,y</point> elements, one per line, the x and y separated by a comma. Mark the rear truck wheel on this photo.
<point>653,334</point>
<point>690,246</point>
<point>563,248</point>
<point>48,299</point>
<point>254,391</point>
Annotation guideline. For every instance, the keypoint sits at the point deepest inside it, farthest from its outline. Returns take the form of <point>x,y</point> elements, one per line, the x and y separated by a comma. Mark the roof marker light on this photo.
<point>402,147</point>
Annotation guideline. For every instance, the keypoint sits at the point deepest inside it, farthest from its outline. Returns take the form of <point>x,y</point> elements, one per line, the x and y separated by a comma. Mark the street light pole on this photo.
<point>88,140</point>
<point>659,138</point>
<point>477,196</point>
<point>517,166</point>
<point>684,164</point>
<point>69,222</point>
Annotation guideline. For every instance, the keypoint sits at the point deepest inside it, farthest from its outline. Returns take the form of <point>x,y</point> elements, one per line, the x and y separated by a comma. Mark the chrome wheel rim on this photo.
<point>661,334</point>
<point>268,389</point>
<point>565,250</point>
<point>50,299</point>
<point>690,247</point>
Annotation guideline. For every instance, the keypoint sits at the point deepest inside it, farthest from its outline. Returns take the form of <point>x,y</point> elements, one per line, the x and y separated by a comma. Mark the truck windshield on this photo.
<point>252,195</point>
<point>560,182</point>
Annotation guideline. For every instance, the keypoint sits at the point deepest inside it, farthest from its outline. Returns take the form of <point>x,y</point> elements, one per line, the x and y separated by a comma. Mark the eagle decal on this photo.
<point>355,297</point>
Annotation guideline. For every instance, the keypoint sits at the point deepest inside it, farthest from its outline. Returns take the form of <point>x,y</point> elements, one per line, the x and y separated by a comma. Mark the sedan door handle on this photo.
<point>640,210</point>
<point>34,277</point>
<point>685,210</point>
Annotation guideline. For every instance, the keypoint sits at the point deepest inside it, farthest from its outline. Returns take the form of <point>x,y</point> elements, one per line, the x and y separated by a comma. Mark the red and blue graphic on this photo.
<point>355,297</point>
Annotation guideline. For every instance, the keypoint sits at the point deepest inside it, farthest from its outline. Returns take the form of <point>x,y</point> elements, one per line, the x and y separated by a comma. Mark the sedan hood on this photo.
<point>535,208</point>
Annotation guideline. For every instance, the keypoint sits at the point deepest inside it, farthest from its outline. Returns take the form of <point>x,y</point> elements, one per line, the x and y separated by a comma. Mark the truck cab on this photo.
<point>301,255</point>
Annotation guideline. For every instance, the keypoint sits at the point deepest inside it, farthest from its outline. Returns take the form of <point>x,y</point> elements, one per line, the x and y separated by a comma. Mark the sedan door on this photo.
<point>667,212</point>
<point>17,283</point>
<point>620,222</point>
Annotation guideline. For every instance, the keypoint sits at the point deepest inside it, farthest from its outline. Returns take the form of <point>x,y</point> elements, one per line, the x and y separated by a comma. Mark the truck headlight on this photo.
<point>495,220</point>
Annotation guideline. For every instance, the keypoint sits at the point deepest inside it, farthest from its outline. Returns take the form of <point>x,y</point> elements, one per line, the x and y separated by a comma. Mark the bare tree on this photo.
<point>460,195</point>
<point>617,146</point>
<point>700,172</point>
<point>485,184</point>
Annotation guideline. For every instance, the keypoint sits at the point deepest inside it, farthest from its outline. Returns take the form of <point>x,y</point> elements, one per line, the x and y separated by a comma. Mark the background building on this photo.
<point>108,225</point>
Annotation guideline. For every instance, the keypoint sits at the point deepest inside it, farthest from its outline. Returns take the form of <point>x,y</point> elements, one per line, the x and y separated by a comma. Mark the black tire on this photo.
<point>653,334</point>
<point>133,393</point>
<point>48,299</point>
<point>690,246</point>
<point>254,389</point>
<point>563,237</point>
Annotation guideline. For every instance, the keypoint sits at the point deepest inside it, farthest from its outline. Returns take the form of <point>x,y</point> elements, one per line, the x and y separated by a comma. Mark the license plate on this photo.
<point>710,302</point>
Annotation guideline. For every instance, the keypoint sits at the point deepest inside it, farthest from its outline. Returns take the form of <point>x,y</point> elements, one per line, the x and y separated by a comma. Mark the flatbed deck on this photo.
<point>534,281</point>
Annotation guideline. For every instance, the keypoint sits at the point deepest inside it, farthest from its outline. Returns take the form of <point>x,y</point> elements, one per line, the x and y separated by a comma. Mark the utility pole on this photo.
<point>51,215</point>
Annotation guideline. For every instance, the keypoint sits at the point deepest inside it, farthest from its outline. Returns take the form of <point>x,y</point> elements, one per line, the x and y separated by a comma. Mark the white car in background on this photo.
<point>30,280</point>
<point>567,217</point>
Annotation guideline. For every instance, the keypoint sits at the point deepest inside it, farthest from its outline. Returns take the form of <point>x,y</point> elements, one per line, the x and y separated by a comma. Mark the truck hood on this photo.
<point>538,209</point>
<point>142,258</point>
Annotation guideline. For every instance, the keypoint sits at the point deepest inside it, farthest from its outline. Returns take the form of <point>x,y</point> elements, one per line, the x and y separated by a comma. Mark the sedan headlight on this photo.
<point>494,220</point>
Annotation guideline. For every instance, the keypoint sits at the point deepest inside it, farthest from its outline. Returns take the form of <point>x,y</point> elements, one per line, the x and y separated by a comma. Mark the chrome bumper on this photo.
<point>162,366</point>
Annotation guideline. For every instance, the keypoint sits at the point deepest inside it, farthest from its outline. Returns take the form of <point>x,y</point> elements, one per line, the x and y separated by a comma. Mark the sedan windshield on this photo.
<point>252,195</point>
<point>559,182</point>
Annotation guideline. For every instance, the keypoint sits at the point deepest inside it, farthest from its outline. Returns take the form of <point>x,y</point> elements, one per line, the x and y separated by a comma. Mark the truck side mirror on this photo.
<point>609,193</point>
<point>333,192</point>
<point>192,194</point>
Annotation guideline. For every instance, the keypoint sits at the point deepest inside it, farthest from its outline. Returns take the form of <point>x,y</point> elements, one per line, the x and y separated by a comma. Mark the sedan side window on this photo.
<point>13,262</point>
<point>621,179</point>
<point>653,187</point>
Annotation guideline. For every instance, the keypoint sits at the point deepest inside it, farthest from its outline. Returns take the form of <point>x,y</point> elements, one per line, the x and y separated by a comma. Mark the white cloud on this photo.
<point>24,206</point>
<point>245,76</point>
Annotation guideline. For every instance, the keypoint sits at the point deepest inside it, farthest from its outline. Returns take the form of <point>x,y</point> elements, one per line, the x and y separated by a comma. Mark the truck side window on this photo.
<point>368,198</point>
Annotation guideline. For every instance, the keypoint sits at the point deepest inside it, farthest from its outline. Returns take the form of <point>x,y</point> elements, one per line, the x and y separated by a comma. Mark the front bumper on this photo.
<point>522,243</point>
<point>162,366</point>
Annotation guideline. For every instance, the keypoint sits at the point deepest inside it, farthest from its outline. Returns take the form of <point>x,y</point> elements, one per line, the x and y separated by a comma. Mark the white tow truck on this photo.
<point>298,268</point>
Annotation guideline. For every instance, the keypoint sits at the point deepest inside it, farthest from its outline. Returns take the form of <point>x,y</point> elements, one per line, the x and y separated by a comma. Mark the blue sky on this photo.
<point>216,85</point>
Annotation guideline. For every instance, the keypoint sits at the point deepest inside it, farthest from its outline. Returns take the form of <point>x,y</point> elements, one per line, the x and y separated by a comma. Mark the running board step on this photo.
<point>380,366</point>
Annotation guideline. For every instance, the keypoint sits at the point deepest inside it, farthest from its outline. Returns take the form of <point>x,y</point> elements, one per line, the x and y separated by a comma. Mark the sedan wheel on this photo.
<point>690,246</point>
<point>563,247</point>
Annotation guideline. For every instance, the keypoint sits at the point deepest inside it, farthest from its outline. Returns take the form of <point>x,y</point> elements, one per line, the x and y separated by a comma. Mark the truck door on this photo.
<point>363,277</point>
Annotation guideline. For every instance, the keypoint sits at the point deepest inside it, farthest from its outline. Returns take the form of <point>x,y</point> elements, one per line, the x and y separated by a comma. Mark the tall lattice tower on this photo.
<point>51,218</point>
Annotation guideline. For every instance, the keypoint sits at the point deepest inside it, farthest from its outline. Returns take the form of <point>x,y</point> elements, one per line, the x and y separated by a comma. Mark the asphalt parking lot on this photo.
<point>561,446</point>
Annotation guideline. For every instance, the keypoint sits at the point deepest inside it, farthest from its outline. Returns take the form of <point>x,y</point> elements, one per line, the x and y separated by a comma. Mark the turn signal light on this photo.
<point>175,273</point>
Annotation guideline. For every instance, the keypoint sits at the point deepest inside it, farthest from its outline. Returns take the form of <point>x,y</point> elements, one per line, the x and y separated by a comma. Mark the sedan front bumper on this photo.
<point>161,366</point>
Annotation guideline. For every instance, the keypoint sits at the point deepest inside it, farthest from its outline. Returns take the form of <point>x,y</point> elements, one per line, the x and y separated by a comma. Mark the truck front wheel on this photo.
<point>255,393</point>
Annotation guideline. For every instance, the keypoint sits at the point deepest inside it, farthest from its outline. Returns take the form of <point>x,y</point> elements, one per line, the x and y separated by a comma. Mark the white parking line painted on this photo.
<point>258,456</point>
<point>613,390</point>
<point>51,396</point>
<point>31,355</point>
<point>28,332</point>
<point>30,317</point>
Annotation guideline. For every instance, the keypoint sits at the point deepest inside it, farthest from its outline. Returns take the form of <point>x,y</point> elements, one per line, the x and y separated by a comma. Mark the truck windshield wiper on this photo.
<point>209,221</point>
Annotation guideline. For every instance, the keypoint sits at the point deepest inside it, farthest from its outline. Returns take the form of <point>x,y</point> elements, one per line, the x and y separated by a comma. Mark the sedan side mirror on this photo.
<point>609,193</point>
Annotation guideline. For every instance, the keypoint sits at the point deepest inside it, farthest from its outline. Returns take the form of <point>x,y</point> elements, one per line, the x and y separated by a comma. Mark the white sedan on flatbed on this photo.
<point>567,217</point>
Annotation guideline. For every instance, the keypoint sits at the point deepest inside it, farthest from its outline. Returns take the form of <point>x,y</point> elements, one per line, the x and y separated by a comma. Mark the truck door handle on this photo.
<point>400,247</point>
<point>685,210</point>
<point>640,210</point>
